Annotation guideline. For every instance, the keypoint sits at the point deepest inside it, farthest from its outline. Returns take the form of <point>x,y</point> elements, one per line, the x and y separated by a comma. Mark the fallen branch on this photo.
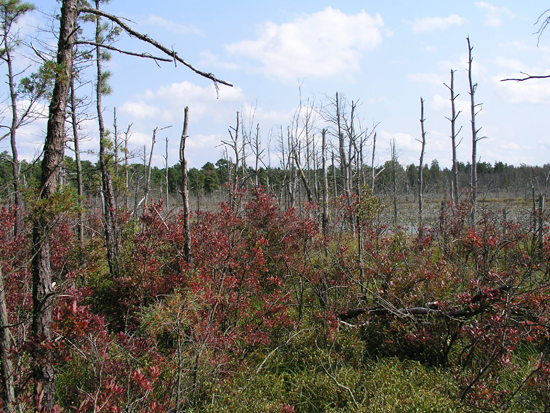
<point>431,309</point>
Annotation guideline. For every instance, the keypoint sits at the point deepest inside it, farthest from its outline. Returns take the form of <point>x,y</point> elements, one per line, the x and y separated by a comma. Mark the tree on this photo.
<point>454,135</point>
<point>31,88</point>
<point>475,137</point>
<point>44,215</point>
<point>185,191</point>
<point>43,296</point>
<point>211,182</point>
<point>420,163</point>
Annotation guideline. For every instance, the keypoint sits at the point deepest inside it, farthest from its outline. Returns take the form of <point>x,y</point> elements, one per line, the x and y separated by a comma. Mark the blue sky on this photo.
<point>386,55</point>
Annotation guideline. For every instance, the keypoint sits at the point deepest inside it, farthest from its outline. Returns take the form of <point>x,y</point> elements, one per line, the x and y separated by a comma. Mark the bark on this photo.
<point>74,123</point>
<point>475,136</point>
<point>43,371</point>
<point>421,162</point>
<point>373,173</point>
<point>109,210</point>
<point>148,171</point>
<point>325,182</point>
<point>184,191</point>
<point>126,168</point>
<point>8,385</point>
<point>166,172</point>
<point>454,134</point>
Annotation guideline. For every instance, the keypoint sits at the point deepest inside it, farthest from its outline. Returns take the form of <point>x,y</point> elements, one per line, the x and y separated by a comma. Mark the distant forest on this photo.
<point>495,181</point>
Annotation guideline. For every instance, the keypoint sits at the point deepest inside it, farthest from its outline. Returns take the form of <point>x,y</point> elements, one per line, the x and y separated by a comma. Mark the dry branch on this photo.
<point>429,309</point>
<point>147,39</point>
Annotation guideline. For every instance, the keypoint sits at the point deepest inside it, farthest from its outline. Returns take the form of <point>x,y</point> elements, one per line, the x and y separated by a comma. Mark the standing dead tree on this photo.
<point>454,134</point>
<point>185,191</point>
<point>149,165</point>
<point>420,164</point>
<point>475,132</point>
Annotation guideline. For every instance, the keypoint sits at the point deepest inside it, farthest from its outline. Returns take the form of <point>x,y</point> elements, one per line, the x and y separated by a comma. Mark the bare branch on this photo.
<point>147,39</point>
<point>105,46</point>
<point>527,77</point>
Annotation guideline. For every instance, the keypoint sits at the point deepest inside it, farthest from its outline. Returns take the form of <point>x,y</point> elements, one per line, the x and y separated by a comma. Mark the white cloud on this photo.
<point>478,70</point>
<point>494,14</point>
<point>139,109</point>
<point>200,141</point>
<point>515,65</point>
<point>209,59</point>
<point>429,24</point>
<point>321,45</point>
<point>443,105</point>
<point>170,25</point>
<point>167,102</point>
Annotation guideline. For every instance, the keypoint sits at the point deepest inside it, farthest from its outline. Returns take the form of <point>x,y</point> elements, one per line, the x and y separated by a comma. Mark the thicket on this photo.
<point>275,313</point>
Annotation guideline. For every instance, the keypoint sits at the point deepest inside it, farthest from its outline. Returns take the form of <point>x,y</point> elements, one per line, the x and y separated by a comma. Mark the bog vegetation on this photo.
<point>325,284</point>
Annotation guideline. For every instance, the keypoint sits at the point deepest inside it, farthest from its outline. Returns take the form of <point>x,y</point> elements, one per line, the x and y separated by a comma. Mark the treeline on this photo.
<point>495,181</point>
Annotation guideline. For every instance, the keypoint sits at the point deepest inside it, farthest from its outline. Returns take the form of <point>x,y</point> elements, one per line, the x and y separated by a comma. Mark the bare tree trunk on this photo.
<point>475,138</point>
<point>76,141</point>
<point>454,135</point>
<point>373,174</point>
<point>184,190</point>
<point>394,181</point>
<point>8,385</point>
<point>126,168</point>
<point>325,181</point>
<point>166,172</point>
<point>334,183</point>
<point>421,162</point>
<point>109,210</point>
<point>149,165</point>
<point>234,144</point>
<point>43,297</point>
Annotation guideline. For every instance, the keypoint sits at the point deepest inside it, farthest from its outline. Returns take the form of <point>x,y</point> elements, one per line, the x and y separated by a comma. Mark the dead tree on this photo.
<point>149,165</point>
<point>185,191</point>
<point>325,181</point>
<point>454,135</point>
<point>373,173</point>
<point>76,141</point>
<point>420,164</point>
<point>475,137</point>
<point>166,171</point>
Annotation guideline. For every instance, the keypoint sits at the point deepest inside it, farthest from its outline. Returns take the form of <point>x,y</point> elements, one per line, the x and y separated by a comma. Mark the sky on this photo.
<point>383,55</point>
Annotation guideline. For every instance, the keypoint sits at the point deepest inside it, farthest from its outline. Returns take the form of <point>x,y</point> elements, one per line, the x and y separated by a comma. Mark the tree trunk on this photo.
<point>8,385</point>
<point>325,182</point>
<point>43,372</point>
<point>184,191</point>
<point>74,122</point>
<point>109,210</point>
<point>475,138</point>
<point>454,134</point>
<point>148,171</point>
<point>421,162</point>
